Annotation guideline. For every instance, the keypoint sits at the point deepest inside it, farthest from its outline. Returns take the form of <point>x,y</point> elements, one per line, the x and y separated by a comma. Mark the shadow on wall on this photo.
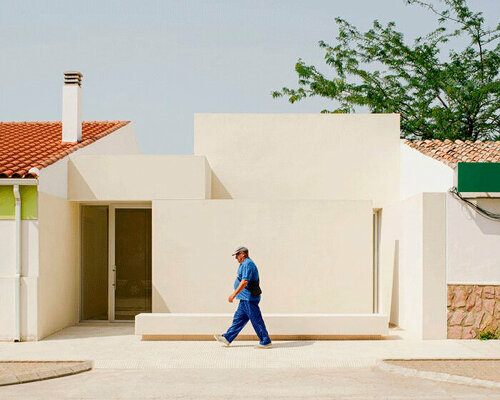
<point>159,305</point>
<point>394,313</point>
<point>219,191</point>
<point>487,226</point>
<point>77,185</point>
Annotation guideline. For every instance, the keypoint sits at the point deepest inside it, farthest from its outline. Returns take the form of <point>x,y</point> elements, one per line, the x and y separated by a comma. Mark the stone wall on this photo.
<point>473,309</point>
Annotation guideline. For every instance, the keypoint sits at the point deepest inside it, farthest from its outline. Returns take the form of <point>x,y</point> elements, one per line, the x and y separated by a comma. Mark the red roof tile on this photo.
<point>26,145</point>
<point>451,153</point>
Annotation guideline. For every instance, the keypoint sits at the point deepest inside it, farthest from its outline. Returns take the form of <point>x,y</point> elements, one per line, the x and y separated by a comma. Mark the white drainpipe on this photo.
<point>17,196</point>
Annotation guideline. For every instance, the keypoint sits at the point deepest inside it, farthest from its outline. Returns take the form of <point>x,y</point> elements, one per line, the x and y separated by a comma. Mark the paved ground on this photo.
<point>478,369</point>
<point>126,368</point>
<point>14,372</point>
<point>274,383</point>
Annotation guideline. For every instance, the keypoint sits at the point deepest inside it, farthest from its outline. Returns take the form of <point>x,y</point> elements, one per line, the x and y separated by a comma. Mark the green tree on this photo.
<point>454,97</point>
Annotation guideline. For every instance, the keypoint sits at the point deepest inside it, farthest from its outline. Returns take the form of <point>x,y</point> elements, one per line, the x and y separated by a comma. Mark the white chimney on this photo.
<point>72,107</point>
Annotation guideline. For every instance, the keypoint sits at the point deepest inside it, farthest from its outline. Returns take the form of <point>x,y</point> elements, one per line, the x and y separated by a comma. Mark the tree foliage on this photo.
<point>454,96</point>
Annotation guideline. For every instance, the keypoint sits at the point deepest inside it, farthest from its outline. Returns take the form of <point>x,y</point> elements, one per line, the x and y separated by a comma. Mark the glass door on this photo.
<point>115,262</point>
<point>94,263</point>
<point>132,262</point>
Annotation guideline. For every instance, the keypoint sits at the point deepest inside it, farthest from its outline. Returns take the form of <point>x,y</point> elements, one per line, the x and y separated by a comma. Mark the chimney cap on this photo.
<point>73,78</point>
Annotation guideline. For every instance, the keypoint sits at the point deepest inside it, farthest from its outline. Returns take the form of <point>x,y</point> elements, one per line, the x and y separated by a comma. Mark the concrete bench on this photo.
<point>193,326</point>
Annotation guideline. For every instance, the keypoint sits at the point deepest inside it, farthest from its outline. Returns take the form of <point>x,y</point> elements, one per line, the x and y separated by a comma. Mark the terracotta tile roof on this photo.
<point>452,152</point>
<point>24,145</point>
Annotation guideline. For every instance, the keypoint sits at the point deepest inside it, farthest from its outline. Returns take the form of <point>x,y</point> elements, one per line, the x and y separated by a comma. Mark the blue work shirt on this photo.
<point>247,271</point>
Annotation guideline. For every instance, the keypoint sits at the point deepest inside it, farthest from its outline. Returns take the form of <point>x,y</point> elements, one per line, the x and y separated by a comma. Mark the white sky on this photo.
<point>159,62</point>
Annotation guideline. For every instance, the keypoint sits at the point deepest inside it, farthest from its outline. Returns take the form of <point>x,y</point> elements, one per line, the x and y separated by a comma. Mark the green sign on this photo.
<point>478,177</point>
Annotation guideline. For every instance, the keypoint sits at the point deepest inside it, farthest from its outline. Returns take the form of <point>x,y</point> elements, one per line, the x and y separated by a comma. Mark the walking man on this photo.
<point>247,291</point>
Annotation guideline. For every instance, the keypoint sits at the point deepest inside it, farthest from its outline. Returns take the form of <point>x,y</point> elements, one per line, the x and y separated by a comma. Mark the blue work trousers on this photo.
<point>248,310</point>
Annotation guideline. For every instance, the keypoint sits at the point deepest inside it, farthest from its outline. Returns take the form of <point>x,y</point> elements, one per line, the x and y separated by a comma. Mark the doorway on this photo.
<point>115,261</point>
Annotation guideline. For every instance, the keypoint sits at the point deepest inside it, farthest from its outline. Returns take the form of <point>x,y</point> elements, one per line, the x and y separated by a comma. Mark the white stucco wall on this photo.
<point>138,177</point>
<point>415,245</point>
<point>29,280</point>
<point>390,235</point>
<point>53,179</point>
<point>59,277</point>
<point>421,173</point>
<point>301,156</point>
<point>473,246</point>
<point>313,256</point>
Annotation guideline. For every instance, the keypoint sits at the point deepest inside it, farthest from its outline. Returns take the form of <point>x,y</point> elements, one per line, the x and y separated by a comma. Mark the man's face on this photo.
<point>240,257</point>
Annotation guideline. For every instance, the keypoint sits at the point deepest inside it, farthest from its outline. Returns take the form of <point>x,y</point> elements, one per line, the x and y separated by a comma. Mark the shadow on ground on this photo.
<point>298,343</point>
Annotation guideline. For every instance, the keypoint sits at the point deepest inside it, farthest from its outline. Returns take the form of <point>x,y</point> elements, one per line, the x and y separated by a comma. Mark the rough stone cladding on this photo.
<point>473,309</point>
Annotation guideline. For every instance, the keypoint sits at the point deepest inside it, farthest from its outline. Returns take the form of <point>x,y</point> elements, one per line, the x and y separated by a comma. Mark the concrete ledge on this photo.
<point>436,376</point>
<point>41,370</point>
<point>194,326</point>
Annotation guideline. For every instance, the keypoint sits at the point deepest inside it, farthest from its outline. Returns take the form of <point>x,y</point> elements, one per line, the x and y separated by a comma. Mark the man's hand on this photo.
<point>243,285</point>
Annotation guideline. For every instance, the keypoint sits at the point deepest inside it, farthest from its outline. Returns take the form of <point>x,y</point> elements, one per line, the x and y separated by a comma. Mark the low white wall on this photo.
<point>29,280</point>
<point>473,245</point>
<point>138,178</point>
<point>58,281</point>
<point>182,326</point>
<point>53,179</point>
<point>301,156</point>
<point>414,243</point>
<point>313,256</point>
<point>421,173</point>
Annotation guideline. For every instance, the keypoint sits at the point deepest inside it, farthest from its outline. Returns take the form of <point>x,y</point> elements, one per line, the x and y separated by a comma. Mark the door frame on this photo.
<point>111,255</point>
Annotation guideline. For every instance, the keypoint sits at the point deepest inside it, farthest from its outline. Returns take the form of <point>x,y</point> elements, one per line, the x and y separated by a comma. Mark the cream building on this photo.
<point>350,227</point>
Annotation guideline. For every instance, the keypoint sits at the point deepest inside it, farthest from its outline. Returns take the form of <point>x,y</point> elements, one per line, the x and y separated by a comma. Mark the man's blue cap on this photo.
<point>239,250</point>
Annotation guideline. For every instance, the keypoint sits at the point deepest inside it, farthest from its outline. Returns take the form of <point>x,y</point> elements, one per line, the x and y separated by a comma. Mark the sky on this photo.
<point>157,63</point>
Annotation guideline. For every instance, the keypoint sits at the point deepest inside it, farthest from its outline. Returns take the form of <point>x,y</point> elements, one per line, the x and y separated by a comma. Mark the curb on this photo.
<point>13,379</point>
<point>437,376</point>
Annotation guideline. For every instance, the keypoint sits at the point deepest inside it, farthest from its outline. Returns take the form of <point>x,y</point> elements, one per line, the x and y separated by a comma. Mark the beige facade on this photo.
<point>314,256</point>
<point>299,190</point>
<point>138,178</point>
<point>301,156</point>
<point>59,273</point>
<point>413,248</point>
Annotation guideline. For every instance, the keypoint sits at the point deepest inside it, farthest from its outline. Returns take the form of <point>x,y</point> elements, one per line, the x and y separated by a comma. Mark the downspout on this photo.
<point>17,196</point>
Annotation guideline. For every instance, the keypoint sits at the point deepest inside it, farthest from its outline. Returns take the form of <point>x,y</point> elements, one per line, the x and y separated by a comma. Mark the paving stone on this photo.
<point>489,292</point>
<point>8,379</point>
<point>27,377</point>
<point>457,317</point>
<point>455,332</point>
<point>28,371</point>
<point>489,305</point>
<point>469,333</point>
<point>479,318</point>
<point>469,320</point>
<point>471,301</point>
<point>459,297</point>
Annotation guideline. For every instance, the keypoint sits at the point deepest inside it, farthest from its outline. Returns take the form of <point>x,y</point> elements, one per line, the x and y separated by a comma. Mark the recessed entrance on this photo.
<point>116,262</point>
